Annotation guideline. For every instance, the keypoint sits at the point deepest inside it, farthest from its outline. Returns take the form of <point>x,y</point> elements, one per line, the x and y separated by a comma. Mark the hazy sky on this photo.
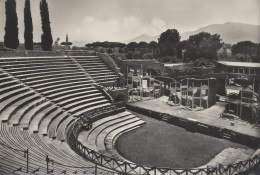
<point>120,20</point>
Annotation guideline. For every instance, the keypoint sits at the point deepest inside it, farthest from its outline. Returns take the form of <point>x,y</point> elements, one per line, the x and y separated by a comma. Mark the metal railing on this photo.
<point>131,168</point>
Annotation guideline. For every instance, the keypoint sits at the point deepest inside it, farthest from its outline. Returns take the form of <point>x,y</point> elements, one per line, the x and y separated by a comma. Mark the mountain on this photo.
<point>144,37</point>
<point>230,32</point>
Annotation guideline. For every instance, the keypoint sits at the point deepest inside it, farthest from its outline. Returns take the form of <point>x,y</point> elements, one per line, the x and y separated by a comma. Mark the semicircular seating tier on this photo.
<point>39,97</point>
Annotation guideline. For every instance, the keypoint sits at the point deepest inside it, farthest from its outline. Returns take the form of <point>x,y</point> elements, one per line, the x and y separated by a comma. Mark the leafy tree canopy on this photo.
<point>142,45</point>
<point>153,45</point>
<point>106,44</point>
<point>203,45</point>
<point>168,42</point>
<point>245,47</point>
<point>66,44</point>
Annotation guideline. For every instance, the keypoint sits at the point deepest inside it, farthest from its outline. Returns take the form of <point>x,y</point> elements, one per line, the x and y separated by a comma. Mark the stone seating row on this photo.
<point>39,147</point>
<point>42,105</point>
<point>107,129</point>
<point>95,68</point>
<point>30,110</point>
<point>41,83</point>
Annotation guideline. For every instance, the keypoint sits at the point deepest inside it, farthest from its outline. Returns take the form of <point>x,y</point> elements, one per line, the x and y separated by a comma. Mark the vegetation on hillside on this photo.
<point>201,49</point>
<point>246,51</point>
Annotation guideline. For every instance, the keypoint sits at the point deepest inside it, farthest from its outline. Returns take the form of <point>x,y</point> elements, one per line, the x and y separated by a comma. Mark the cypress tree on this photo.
<point>46,28</point>
<point>28,27</point>
<point>11,29</point>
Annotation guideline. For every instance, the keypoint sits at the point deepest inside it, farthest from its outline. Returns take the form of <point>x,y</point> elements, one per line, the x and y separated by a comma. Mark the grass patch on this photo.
<point>160,144</point>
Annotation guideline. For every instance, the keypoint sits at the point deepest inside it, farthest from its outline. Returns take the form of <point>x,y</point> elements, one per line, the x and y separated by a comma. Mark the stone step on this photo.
<point>86,107</point>
<point>120,127</point>
<point>26,119</point>
<point>13,92</point>
<point>111,151</point>
<point>53,125</point>
<point>43,72</point>
<point>86,100</point>
<point>64,90</point>
<point>21,70</point>
<point>5,79</point>
<point>10,101</point>
<point>91,139</point>
<point>68,84</point>
<point>107,119</point>
<point>10,88</point>
<point>66,102</point>
<point>44,123</point>
<point>14,120</point>
<point>60,74</point>
<point>34,123</point>
<point>9,83</point>
<point>37,84</point>
<point>61,130</point>
<point>64,95</point>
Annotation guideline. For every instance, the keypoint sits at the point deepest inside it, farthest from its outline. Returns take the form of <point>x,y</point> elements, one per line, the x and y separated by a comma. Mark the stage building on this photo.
<point>193,93</point>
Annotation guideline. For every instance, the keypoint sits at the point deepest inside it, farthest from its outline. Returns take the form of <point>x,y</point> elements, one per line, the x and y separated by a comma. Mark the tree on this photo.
<point>46,28</point>
<point>11,30</point>
<point>257,58</point>
<point>142,45</point>
<point>248,49</point>
<point>131,46</point>
<point>168,41</point>
<point>66,43</point>
<point>153,45</point>
<point>106,44</point>
<point>203,45</point>
<point>28,27</point>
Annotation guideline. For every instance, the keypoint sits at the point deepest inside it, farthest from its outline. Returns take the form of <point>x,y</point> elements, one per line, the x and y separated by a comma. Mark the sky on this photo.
<point>121,20</point>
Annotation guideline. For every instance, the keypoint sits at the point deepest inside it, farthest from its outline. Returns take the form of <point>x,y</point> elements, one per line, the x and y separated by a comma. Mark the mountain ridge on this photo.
<point>230,32</point>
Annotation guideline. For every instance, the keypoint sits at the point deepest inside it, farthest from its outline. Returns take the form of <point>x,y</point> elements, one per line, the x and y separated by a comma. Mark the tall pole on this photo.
<point>208,95</point>
<point>192,105</point>
<point>95,169</point>
<point>27,167</point>
<point>47,161</point>
<point>132,89</point>
<point>200,93</point>
<point>67,41</point>
<point>127,75</point>
<point>253,98</point>
<point>187,92</point>
<point>181,92</point>
<point>241,103</point>
<point>175,93</point>
<point>170,90</point>
<point>141,93</point>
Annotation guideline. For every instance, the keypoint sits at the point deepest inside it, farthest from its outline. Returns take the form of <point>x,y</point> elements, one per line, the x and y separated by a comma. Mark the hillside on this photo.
<point>230,32</point>
<point>144,37</point>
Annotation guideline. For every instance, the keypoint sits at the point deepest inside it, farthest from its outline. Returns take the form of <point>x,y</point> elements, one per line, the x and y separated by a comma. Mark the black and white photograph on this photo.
<point>130,87</point>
